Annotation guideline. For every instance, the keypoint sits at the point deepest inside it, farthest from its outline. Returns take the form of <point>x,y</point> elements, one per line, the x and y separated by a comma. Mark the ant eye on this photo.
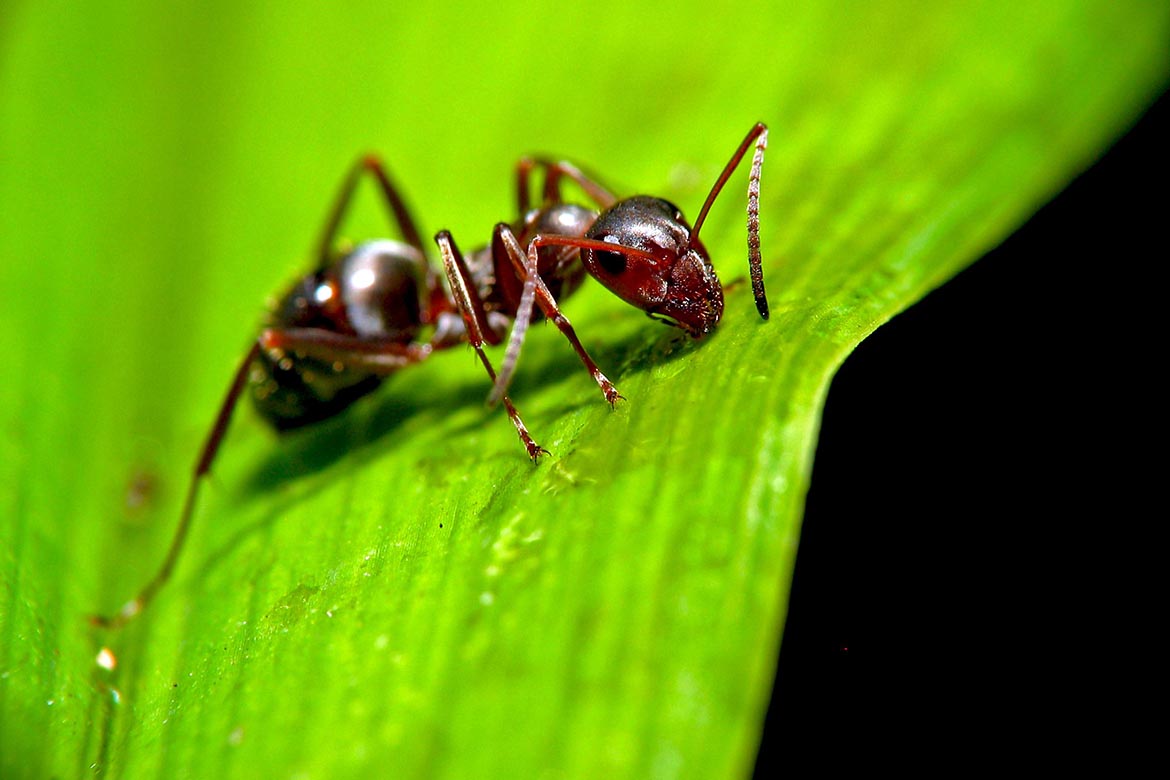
<point>613,262</point>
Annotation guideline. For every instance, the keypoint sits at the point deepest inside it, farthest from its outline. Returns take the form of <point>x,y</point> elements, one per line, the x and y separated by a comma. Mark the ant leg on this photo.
<point>525,266</point>
<point>523,317</point>
<point>376,357</point>
<point>470,307</point>
<point>758,134</point>
<point>553,171</point>
<point>325,345</point>
<point>206,457</point>
<point>373,165</point>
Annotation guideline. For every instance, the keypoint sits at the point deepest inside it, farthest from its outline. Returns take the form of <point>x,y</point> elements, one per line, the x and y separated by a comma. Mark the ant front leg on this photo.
<point>470,306</point>
<point>524,264</point>
<point>554,170</point>
<point>206,457</point>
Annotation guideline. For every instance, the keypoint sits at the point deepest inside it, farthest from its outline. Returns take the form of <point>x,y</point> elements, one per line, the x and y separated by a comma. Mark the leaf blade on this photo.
<point>614,610</point>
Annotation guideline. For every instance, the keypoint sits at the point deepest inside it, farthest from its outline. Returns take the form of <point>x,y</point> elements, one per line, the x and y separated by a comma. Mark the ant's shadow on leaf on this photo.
<point>361,432</point>
<point>372,422</point>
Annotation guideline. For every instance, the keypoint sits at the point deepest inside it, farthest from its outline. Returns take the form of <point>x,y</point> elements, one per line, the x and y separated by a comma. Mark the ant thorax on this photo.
<point>559,266</point>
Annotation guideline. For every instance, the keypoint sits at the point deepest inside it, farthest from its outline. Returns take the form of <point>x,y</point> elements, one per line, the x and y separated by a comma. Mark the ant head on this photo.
<point>669,275</point>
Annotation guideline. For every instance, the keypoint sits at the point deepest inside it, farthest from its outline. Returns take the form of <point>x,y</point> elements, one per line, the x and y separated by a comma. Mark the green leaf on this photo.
<point>398,590</point>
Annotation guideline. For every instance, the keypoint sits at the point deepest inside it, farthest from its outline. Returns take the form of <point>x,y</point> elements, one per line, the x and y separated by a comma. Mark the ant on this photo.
<point>360,315</point>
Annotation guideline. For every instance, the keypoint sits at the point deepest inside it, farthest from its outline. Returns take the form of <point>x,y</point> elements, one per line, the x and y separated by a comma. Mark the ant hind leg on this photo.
<point>373,165</point>
<point>206,457</point>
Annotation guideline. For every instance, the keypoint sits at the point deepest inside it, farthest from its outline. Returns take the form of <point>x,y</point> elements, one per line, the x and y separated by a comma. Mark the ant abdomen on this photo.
<point>380,286</point>
<point>372,293</point>
<point>292,392</point>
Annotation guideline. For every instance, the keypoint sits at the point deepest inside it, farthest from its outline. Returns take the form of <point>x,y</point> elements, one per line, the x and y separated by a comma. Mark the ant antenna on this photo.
<point>759,134</point>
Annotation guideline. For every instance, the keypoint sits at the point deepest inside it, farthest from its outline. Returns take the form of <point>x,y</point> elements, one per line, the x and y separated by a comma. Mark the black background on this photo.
<point>975,498</point>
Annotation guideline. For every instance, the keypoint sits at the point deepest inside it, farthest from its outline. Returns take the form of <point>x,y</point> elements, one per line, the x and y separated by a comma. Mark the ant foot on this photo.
<point>612,395</point>
<point>128,611</point>
<point>99,621</point>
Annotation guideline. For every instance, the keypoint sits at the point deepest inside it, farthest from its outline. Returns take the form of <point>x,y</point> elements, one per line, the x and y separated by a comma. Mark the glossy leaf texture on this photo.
<point>399,591</point>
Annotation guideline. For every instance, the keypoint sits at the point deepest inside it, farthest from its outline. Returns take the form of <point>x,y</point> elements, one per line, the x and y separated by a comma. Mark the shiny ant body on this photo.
<point>362,313</point>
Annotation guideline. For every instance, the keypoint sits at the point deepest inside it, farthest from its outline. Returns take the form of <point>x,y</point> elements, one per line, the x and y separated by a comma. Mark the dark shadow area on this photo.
<point>315,448</point>
<point>973,500</point>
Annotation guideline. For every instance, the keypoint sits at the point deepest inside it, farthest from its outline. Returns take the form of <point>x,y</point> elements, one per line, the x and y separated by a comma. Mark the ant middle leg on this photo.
<point>352,352</point>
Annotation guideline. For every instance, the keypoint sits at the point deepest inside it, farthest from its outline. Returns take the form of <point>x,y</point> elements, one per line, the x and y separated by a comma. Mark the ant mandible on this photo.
<point>359,316</point>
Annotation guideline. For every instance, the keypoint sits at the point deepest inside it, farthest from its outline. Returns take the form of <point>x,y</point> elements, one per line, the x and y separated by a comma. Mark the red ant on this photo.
<point>358,317</point>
